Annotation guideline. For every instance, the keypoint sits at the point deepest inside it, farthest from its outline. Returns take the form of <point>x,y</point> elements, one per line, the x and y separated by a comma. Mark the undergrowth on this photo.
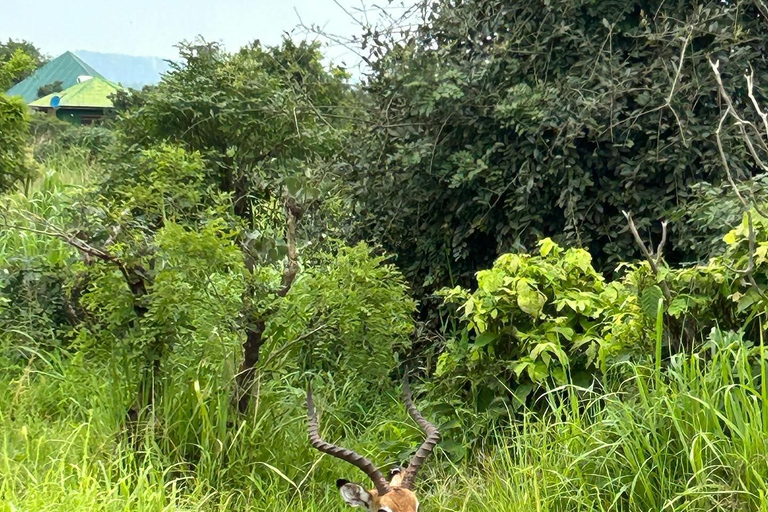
<point>691,436</point>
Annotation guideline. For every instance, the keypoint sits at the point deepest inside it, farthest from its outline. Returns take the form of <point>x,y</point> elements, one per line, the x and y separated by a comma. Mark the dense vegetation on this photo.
<point>552,214</point>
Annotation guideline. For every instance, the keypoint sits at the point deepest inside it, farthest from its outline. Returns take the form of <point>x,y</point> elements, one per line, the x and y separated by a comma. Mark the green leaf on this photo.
<point>485,338</point>
<point>456,451</point>
<point>546,246</point>
<point>520,367</point>
<point>469,306</point>
<point>529,299</point>
<point>678,306</point>
<point>649,300</point>
<point>521,392</point>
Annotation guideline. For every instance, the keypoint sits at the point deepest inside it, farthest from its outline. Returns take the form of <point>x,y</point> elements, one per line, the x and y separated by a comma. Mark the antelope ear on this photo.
<point>354,494</point>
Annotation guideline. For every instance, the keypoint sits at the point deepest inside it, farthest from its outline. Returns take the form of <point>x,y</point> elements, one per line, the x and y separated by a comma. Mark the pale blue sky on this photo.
<point>153,27</point>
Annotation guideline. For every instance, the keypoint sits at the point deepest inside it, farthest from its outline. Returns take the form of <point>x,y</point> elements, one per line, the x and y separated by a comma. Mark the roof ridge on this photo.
<point>89,93</point>
<point>65,67</point>
<point>85,65</point>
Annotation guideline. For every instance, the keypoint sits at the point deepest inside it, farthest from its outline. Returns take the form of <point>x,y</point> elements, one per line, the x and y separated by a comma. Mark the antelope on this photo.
<point>394,496</point>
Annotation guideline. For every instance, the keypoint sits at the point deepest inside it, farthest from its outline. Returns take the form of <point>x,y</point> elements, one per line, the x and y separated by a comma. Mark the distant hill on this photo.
<point>130,71</point>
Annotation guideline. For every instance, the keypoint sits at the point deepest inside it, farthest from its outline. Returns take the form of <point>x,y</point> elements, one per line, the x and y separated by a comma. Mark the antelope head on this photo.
<point>395,495</point>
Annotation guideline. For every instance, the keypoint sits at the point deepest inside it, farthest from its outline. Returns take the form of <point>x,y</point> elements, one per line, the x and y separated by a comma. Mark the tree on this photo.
<point>257,119</point>
<point>47,89</point>
<point>15,154</point>
<point>493,124</point>
<point>9,49</point>
<point>14,67</point>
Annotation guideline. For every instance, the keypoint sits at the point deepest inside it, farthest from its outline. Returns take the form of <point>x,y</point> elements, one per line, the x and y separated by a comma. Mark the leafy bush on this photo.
<point>15,64</point>
<point>535,322</point>
<point>36,310</point>
<point>548,316</point>
<point>250,114</point>
<point>494,124</point>
<point>15,159</point>
<point>348,318</point>
<point>52,135</point>
<point>18,60</point>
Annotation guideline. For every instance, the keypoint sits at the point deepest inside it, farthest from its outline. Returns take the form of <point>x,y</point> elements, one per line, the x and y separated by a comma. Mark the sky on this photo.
<point>153,27</point>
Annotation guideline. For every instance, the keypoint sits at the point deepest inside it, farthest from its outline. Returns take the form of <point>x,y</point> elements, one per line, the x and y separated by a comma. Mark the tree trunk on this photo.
<point>254,339</point>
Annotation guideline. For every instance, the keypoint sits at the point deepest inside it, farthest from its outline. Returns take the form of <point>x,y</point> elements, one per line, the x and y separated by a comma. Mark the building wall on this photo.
<point>79,116</point>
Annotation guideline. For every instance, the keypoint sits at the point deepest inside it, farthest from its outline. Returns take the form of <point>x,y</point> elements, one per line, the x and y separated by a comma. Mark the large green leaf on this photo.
<point>649,300</point>
<point>529,299</point>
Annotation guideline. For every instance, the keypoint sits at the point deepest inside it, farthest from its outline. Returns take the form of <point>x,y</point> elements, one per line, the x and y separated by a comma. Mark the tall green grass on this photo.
<point>61,178</point>
<point>688,436</point>
<point>691,436</point>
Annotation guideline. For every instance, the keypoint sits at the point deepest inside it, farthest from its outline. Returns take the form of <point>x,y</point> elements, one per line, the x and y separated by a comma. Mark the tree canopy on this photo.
<point>492,124</point>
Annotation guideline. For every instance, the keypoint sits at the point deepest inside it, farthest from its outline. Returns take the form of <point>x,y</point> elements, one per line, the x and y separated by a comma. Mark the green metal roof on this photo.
<point>66,67</point>
<point>93,93</point>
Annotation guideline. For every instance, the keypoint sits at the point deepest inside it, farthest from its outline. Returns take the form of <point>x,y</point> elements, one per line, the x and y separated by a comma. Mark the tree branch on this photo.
<point>741,123</point>
<point>653,261</point>
<point>292,214</point>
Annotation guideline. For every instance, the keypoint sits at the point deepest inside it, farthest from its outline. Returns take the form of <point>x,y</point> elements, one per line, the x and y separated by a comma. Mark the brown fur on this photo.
<point>398,499</point>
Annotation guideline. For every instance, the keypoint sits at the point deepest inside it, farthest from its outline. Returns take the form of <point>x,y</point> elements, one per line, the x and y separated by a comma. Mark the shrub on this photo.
<point>537,318</point>
<point>51,135</point>
<point>15,159</point>
<point>348,317</point>
<point>494,124</point>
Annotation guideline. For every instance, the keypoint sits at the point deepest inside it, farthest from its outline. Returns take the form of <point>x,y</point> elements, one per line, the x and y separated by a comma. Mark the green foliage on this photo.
<point>174,260</point>
<point>689,439</point>
<point>544,320</point>
<point>36,307</point>
<point>152,186</point>
<point>493,125</point>
<point>51,136</point>
<point>536,318</point>
<point>148,267</point>
<point>750,262</point>
<point>14,67</point>
<point>45,90</point>
<point>349,317</point>
<point>33,60</point>
<point>15,155</point>
<point>712,212</point>
<point>251,114</point>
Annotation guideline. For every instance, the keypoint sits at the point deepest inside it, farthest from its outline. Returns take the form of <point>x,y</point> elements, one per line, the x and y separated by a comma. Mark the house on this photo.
<point>82,103</point>
<point>66,68</point>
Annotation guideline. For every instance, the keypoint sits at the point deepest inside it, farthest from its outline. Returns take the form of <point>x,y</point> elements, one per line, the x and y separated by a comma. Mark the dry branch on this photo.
<point>743,124</point>
<point>653,259</point>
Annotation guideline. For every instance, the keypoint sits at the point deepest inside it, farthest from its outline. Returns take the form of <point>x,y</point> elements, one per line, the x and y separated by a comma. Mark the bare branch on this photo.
<point>763,8</point>
<point>70,239</point>
<point>292,215</point>
<point>763,115</point>
<point>676,79</point>
<point>654,262</point>
<point>730,111</point>
<point>660,247</point>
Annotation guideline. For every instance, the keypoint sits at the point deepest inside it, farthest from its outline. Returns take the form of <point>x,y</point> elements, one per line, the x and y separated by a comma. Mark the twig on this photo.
<point>660,247</point>
<point>763,8</point>
<point>653,261</point>
<point>668,103</point>
<point>741,123</point>
<point>292,215</point>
